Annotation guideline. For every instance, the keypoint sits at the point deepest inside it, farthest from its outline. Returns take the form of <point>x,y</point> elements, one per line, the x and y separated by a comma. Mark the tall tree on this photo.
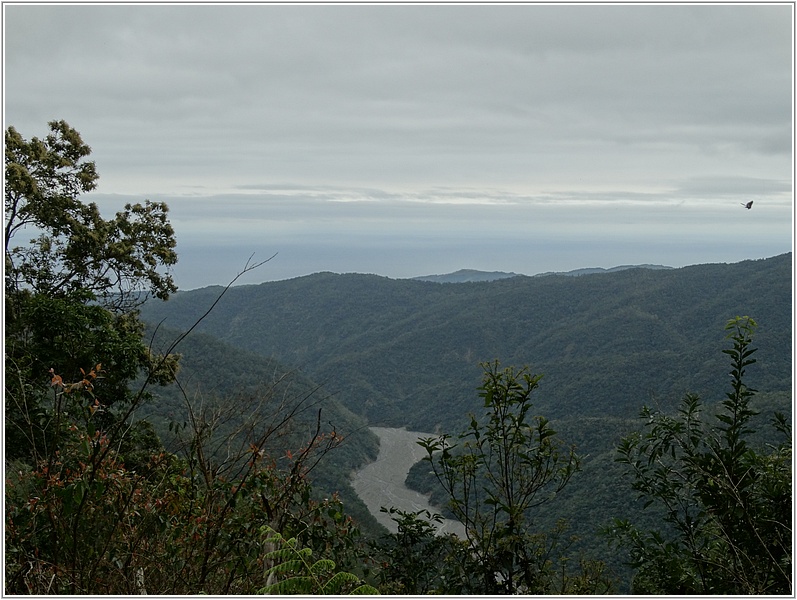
<point>94,503</point>
<point>75,249</point>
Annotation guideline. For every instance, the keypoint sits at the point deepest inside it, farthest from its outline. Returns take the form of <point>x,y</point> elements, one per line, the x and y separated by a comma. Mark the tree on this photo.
<point>71,291</point>
<point>84,522</point>
<point>75,248</point>
<point>411,561</point>
<point>495,474</point>
<point>94,503</point>
<point>726,503</point>
<point>91,512</point>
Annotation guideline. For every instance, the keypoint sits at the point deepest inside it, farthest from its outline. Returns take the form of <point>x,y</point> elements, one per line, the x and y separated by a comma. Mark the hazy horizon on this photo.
<point>253,279</point>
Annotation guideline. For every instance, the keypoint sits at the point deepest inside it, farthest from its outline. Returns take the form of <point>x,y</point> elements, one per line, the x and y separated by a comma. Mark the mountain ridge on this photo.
<point>466,276</point>
<point>599,270</point>
<point>474,275</point>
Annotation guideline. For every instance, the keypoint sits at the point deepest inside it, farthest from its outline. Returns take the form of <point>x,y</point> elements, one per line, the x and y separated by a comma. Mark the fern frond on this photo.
<point>289,566</point>
<point>338,581</point>
<point>322,567</point>
<point>280,554</point>
<point>364,590</point>
<point>302,576</point>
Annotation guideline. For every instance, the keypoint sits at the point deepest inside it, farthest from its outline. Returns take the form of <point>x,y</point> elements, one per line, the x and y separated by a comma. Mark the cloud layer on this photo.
<point>423,123</point>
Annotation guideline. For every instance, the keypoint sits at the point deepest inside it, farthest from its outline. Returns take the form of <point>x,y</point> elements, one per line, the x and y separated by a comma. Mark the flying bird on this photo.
<point>748,205</point>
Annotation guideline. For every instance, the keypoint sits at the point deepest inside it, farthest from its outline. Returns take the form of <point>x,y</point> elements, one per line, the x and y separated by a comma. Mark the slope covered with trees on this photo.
<point>228,384</point>
<point>407,352</point>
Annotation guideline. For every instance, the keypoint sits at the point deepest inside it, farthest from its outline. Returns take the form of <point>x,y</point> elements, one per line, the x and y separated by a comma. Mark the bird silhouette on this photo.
<point>748,205</point>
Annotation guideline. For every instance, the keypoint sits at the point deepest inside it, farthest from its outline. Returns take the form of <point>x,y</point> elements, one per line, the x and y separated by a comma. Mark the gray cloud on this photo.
<point>417,114</point>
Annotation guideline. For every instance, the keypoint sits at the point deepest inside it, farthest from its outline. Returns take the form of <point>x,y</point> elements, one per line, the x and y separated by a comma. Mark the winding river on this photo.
<point>381,483</point>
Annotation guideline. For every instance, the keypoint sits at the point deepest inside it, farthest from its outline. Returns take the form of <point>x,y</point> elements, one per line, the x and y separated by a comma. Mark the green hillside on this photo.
<point>406,353</point>
<point>214,375</point>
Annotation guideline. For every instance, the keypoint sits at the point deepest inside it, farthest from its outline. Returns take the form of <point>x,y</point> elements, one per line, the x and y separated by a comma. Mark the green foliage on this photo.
<point>65,507</point>
<point>296,572</point>
<point>237,390</point>
<point>97,517</point>
<point>71,334</point>
<point>727,506</point>
<point>77,250</point>
<point>70,291</point>
<point>495,474</point>
<point>412,560</point>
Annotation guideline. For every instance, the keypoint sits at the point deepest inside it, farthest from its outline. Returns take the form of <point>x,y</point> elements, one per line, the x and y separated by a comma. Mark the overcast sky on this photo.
<point>411,140</point>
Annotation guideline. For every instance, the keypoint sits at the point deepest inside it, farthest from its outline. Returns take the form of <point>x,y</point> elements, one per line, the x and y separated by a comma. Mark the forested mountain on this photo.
<point>406,353</point>
<point>471,275</point>
<point>594,270</point>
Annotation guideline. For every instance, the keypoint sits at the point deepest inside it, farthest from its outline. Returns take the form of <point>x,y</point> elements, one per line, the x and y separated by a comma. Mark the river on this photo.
<point>381,483</point>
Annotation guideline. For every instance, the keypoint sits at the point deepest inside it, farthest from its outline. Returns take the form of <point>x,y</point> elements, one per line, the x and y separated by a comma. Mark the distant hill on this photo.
<point>594,270</point>
<point>466,276</point>
<point>471,275</point>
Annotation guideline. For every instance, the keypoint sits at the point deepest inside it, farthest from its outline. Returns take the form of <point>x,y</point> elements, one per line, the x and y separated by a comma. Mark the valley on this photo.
<point>403,353</point>
<point>395,357</point>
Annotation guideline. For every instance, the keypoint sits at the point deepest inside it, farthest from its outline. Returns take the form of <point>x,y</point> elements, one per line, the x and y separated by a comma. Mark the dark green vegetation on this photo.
<point>727,523</point>
<point>496,474</point>
<point>166,448</point>
<point>229,383</point>
<point>407,353</point>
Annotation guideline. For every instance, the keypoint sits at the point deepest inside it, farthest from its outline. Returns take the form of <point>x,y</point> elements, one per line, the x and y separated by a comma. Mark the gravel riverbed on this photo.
<point>381,483</point>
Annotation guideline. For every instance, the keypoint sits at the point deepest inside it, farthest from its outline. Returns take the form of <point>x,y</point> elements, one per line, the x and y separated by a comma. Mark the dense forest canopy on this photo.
<point>606,342</point>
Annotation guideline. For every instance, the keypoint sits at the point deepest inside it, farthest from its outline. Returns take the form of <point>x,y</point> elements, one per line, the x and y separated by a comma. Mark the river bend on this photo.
<point>381,483</point>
